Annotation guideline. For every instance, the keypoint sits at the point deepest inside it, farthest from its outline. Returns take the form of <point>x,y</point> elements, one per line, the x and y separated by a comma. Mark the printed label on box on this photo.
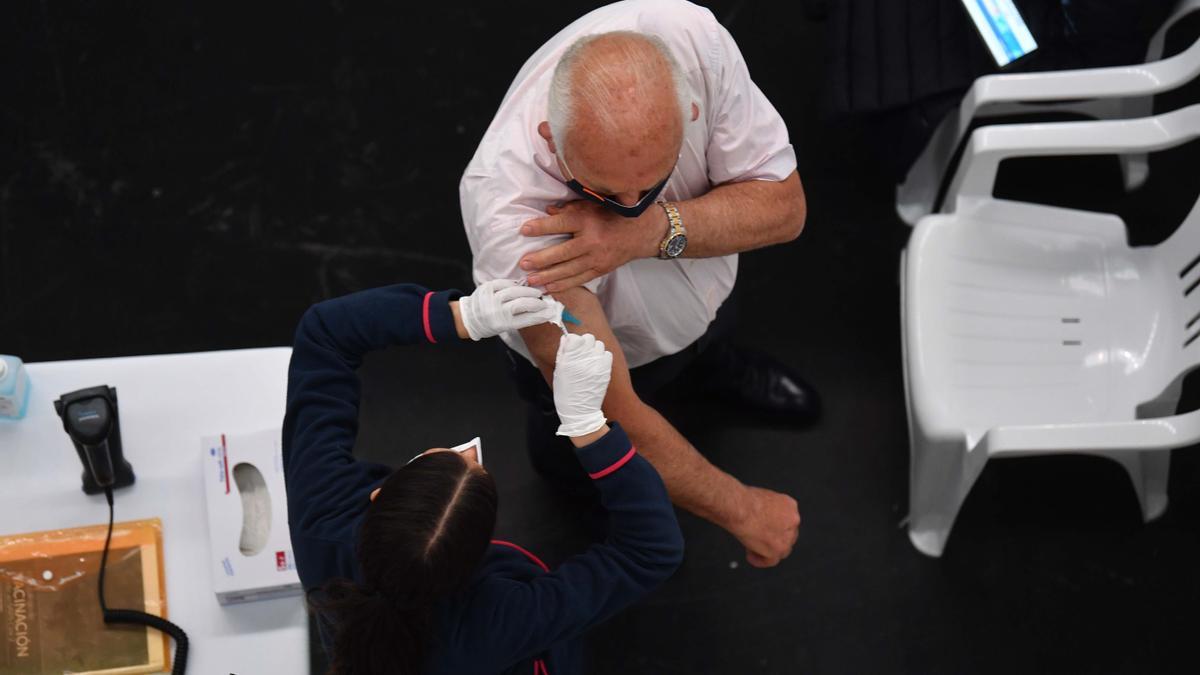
<point>246,499</point>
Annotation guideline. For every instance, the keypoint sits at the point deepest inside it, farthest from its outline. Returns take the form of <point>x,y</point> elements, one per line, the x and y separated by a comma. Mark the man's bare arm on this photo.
<point>738,217</point>
<point>693,482</point>
<point>730,218</point>
<point>763,521</point>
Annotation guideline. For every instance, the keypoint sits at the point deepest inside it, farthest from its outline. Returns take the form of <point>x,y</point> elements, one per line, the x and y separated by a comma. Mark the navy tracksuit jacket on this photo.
<point>517,615</point>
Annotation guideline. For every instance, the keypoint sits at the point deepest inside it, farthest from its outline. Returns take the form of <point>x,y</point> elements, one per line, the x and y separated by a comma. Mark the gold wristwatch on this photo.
<point>676,240</point>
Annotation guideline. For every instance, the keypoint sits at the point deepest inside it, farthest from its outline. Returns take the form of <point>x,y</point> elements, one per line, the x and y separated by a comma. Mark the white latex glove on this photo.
<point>501,305</point>
<point>581,373</point>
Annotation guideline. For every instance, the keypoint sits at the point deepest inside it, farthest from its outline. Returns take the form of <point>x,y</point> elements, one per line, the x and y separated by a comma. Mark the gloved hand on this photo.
<point>501,305</point>
<point>581,374</point>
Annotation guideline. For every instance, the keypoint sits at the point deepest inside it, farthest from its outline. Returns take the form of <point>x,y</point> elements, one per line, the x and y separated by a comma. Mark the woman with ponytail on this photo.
<point>400,565</point>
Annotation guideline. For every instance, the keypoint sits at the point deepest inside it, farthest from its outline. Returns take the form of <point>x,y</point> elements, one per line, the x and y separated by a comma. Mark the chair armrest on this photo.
<point>990,145</point>
<point>1163,433</point>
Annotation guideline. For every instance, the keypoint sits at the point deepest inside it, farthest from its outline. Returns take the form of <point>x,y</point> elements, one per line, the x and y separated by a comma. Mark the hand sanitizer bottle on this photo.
<point>14,387</point>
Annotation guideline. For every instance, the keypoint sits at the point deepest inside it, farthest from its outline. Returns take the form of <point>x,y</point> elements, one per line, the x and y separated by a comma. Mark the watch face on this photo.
<point>676,245</point>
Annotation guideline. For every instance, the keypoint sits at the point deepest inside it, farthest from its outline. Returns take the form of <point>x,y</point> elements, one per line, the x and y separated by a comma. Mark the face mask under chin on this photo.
<point>616,207</point>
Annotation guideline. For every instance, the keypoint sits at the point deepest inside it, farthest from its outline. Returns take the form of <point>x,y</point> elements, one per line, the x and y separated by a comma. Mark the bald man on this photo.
<point>630,162</point>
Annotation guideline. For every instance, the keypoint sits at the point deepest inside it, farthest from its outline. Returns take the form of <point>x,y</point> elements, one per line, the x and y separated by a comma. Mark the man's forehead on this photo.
<point>624,178</point>
<point>623,167</point>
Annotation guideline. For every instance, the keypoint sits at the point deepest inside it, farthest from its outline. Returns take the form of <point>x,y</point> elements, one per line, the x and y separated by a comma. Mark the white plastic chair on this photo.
<point>1033,329</point>
<point>1103,93</point>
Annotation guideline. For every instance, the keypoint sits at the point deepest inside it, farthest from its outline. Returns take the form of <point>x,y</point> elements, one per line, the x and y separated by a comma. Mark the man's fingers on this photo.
<point>571,282</point>
<point>552,255</point>
<point>563,270</point>
<point>552,224</point>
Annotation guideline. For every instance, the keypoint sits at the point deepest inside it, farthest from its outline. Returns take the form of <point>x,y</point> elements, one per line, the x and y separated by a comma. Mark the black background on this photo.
<point>191,176</point>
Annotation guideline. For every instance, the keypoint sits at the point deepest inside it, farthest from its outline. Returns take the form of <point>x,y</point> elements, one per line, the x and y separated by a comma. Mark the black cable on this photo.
<point>130,616</point>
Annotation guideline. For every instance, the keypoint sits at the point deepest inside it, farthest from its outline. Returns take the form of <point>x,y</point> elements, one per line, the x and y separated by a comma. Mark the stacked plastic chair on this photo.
<point>1032,329</point>
<point>1100,93</point>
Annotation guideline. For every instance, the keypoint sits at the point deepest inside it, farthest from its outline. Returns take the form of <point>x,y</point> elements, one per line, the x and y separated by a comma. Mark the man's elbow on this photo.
<point>797,214</point>
<point>792,210</point>
<point>794,224</point>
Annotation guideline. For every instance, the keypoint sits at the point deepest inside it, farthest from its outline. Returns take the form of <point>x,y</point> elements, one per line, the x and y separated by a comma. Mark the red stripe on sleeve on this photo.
<point>615,465</point>
<point>425,317</point>
<point>534,558</point>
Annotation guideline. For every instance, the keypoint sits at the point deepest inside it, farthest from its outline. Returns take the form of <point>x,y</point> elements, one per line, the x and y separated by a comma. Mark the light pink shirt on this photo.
<point>654,307</point>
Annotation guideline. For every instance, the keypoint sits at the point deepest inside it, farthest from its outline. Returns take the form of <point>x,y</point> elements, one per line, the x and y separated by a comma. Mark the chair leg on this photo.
<point>1148,471</point>
<point>940,477</point>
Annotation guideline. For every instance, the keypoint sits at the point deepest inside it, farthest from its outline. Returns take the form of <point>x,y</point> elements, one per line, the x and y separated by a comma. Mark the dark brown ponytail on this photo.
<point>421,540</point>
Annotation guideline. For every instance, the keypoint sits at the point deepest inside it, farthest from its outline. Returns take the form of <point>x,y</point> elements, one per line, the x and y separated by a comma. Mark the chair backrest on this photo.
<point>1180,258</point>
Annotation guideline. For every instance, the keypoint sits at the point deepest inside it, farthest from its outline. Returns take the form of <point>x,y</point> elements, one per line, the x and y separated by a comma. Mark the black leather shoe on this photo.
<point>758,383</point>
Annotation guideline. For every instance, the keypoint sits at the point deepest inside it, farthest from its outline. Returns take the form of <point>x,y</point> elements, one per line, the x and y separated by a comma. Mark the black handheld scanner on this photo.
<point>90,418</point>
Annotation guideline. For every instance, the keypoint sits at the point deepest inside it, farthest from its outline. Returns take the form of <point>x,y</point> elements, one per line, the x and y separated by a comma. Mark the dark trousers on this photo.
<point>666,377</point>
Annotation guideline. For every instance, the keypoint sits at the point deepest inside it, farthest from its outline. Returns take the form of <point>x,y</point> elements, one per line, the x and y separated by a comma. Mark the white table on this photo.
<point>167,403</point>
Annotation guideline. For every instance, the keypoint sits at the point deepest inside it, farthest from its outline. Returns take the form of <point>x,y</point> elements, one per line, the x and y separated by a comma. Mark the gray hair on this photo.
<point>596,92</point>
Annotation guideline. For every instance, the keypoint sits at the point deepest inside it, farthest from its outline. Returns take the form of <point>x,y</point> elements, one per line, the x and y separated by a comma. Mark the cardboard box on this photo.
<point>250,547</point>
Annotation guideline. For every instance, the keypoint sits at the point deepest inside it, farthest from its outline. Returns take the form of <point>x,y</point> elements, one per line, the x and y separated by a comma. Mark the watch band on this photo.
<point>676,228</point>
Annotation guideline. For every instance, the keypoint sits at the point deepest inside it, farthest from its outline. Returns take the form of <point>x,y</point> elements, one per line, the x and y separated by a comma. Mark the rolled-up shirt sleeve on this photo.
<point>500,250</point>
<point>494,210</point>
<point>748,139</point>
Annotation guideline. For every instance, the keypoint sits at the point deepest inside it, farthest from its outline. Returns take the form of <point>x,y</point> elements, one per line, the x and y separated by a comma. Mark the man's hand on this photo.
<point>765,522</point>
<point>600,242</point>
<point>769,526</point>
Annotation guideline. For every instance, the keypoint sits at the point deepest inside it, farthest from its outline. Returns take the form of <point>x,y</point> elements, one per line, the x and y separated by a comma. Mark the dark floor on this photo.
<point>180,180</point>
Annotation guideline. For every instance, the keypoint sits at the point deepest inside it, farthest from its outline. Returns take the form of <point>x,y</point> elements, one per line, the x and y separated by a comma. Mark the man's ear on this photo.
<point>695,112</point>
<point>544,132</point>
